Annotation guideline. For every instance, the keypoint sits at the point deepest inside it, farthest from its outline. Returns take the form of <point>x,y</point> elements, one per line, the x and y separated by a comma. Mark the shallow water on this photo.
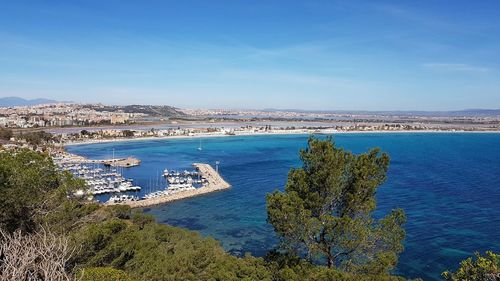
<point>448,184</point>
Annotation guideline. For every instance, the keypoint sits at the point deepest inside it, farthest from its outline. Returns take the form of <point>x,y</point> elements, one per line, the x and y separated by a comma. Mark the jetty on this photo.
<point>214,182</point>
<point>121,162</point>
<point>63,156</point>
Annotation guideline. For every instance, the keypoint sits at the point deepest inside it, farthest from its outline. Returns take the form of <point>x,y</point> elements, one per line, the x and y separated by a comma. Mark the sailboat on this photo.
<point>199,147</point>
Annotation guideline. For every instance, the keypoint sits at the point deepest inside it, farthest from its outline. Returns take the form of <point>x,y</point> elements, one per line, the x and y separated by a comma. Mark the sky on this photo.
<point>240,54</point>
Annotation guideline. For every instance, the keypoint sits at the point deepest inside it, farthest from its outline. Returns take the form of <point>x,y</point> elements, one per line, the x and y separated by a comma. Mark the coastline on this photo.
<point>287,132</point>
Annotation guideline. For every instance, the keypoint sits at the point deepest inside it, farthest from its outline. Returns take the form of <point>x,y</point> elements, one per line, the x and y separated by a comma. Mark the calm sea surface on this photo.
<point>448,184</point>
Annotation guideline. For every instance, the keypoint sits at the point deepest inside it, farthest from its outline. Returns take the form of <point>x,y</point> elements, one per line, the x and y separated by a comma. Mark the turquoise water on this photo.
<point>448,184</point>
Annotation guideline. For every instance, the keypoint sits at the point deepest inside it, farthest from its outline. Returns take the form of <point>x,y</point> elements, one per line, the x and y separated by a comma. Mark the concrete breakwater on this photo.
<point>214,183</point>
<point>66,157</point>
<point>122,162</point>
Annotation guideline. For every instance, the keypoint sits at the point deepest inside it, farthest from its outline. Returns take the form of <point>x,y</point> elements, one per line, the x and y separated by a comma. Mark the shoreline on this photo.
<point>202,135</point>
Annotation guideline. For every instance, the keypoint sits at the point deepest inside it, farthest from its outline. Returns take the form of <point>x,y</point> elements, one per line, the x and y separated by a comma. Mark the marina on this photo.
<point>98,179</point>
<point>211,181</point>
<point>104,177</point>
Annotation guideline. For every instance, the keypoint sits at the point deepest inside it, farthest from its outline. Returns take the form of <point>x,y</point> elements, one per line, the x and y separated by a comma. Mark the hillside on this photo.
<point>17,101</point>
<point>152,110</point>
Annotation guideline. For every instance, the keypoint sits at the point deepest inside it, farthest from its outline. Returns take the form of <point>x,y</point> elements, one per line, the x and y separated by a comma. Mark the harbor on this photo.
<point>211,181</point>
<point>99,178</point>
<point>124,162</point>
<point>105,181</point>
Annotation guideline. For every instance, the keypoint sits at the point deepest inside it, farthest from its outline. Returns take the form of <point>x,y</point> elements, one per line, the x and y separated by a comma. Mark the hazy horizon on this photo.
<point>261,109</point>
<point>321,55</point>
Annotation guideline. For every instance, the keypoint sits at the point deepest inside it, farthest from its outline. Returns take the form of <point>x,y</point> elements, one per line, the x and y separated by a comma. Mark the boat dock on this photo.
<point>214,182</point>
<point>66,157</point>
<point>98,180</point>
<point>121,162</point>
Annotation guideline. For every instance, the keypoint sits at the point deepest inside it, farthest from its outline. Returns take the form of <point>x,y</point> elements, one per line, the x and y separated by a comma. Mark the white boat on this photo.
<point>122,198</point>
<point>180,186</point>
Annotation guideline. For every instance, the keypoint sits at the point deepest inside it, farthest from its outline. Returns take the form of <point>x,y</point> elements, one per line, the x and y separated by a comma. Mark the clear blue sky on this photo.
<point>311,54</point>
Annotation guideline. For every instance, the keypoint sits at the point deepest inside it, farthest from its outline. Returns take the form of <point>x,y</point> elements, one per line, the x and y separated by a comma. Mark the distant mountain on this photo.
<point>16,101</point>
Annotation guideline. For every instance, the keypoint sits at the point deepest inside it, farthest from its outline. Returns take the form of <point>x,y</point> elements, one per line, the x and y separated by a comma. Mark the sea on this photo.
<point>447,183</point>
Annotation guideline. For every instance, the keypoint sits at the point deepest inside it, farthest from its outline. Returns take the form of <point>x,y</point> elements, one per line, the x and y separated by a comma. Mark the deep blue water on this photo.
<point>448,185</point>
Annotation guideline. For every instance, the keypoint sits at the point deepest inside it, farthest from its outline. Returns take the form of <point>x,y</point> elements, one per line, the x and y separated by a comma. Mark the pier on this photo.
<point>214,183</point>
<point>121,162</point>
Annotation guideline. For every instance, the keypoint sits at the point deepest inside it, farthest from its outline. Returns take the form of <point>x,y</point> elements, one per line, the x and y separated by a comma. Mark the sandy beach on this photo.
<point>275,132</point>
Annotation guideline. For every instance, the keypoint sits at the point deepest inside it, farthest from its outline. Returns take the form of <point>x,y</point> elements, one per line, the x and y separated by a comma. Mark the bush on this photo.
<point>481,268</point>
<point>5,134</point>
<point>27,180</point>
<point>119,211</point>
<point>103,274</point>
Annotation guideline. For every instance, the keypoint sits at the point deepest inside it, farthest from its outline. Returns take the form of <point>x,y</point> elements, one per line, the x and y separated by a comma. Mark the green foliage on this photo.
<point>159,252</point>
<point>482,268</point>
<point>140,220</point>
<point>36,138</point>
<point>286,267</point>
<point>28,180</point>
<point>119,211</point>
<point>103,274</point>
<point>325,211</point>
<point>5,134</point>
<point>128,133</point>
<point>69,215</point>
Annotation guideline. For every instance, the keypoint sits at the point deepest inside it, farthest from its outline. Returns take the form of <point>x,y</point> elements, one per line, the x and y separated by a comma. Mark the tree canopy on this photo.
<point>36,138</point>
<point>5,134</point>
<point>325,212</point>
<point>481,268</point>
<point>30,185</point>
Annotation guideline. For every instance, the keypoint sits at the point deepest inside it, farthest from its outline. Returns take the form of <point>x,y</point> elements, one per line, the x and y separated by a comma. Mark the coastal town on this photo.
<point>100,117</point>
<point>60,115</point>
<point>52,127</point>
<point>74,114</point>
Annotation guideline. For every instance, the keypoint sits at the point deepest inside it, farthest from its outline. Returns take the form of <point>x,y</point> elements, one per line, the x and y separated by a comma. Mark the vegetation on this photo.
<point>30,187</point>
<point>38,256</point>
<point>5,134</point>
<point>104,274</point>
<point>36,138</point>
<point>128,133</point>
<point>326,210</point>
<point>152,110</point>
<point>46,235</point>
<point>114,243</point>
<point>482,268</point>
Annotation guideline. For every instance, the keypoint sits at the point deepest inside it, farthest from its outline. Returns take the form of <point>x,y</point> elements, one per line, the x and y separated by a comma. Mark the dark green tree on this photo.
<point>37,138</point>
<point>104,274</point>
<point>326,210</point>
<point>30,187</point>
<point>128,133</point>
<point>5,134</point>
<point>485,267</point>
